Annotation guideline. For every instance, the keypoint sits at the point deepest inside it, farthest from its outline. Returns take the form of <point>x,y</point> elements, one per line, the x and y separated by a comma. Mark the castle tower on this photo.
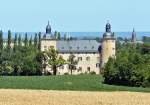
<point>48,29</point>
<point>133,40</point>
<point>108,45</point>
<point>48,41</point>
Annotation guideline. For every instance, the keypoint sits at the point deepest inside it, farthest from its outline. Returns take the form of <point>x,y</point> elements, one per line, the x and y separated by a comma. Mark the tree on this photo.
<point>65,36</point>
<point>56,34</point>
<point>26,40</point>
<point>30,41</point>
<point>42,60</point>
<point>19,41</point>
<point>130,68</point>
<point>15,42</point>
<point>9,40</point>
<point>54,60</point>
<point>109,72</point>
<point>35,40</point>
<point>59,36</point>
<point>1,39</point>
<point>39,44</point>
<point>72,63</point>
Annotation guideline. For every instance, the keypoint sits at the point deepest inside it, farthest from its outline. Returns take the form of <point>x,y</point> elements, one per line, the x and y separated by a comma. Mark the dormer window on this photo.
<point>45,46</point>
<point>51,47</point>
<point>70,47</point>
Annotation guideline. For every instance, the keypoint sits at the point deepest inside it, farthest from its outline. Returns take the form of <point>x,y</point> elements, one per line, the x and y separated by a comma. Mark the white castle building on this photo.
<point>91,55</point>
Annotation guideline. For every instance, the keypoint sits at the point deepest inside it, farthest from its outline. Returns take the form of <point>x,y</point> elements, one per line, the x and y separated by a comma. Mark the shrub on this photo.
<point>93,73</point>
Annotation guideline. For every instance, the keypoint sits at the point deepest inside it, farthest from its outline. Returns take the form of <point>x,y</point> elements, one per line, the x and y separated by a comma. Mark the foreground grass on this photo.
<point>45,97</point>
<point>66,82</point>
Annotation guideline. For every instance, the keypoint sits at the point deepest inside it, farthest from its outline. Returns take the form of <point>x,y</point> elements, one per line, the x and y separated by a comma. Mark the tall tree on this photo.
<point>1,39</point>
<point>54,60</point>
<point>58,36</point>
<point>19,40</point>
<point>15,42</point>
<point>35,40</point>
<point>30,41</point>
<point>72,62</point>
<point>9,39</point>
<point>65,36</point>
<point>26,40</point>
<point>39,44</point>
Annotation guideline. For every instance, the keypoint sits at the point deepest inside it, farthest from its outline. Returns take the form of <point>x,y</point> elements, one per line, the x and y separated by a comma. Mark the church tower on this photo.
<point>133,40</point>
<point>108,45</point>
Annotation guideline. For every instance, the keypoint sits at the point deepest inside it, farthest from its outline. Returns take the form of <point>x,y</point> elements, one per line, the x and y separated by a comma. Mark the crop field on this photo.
<point>45,97</point>
<point>66,82</point>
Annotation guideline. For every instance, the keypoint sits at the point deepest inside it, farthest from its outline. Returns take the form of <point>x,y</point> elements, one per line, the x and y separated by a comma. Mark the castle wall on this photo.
<point>47,44</point>
<point>87,62</point>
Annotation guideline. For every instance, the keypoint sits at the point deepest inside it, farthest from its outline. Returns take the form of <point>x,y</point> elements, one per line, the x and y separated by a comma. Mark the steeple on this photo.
<point>48,29</point>
<point>133,36</point>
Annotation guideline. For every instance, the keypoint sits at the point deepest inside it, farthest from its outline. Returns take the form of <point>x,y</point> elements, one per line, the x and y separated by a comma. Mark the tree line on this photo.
<point>22,56</point>
<point>18,56</point>
<point>131,66</point>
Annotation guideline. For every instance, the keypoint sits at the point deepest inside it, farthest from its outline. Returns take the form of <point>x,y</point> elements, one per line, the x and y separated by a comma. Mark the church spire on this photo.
<point>133,36</point>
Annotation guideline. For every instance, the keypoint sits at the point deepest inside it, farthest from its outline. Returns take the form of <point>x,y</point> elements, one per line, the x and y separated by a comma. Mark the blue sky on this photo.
<point>74,15</point>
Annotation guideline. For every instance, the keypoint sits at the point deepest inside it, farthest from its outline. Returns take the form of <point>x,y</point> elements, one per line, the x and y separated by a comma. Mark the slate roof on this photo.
<point>78,46</point>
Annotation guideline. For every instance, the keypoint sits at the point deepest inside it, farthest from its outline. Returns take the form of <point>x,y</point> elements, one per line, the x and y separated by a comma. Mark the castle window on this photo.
<point>98,65</point>
<point>78,47</point>
<point>70,47</point>
<point>62,48</point>
<point>92,47</point>
<point>61,67</point>
<point>79,58</point>
<point>94,53</point>
<point>88,69</point>
<point>87,58</point>
<point>80,69</point>
<point>85,47</point>
<point>113,55</point>
<point>51,47</point>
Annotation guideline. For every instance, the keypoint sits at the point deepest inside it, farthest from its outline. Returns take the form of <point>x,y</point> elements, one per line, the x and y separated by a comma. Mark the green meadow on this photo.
<point>65,82</point>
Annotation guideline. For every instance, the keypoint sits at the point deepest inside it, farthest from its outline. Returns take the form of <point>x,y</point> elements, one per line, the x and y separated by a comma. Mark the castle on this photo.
<point>91,55</point>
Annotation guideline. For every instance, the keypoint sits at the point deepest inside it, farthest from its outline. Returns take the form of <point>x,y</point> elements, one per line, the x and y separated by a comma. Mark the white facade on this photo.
<point>87,62</point>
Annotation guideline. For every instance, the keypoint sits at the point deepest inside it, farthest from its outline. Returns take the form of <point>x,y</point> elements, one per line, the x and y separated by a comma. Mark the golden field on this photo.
<point>43,97</point>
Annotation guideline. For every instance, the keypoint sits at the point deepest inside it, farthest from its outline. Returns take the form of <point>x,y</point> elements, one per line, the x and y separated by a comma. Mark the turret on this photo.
<point>48,29</point>
<point>108,45</point>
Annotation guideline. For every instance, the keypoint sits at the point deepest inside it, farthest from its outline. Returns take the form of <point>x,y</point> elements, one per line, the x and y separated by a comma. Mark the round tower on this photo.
<point>108,45</point>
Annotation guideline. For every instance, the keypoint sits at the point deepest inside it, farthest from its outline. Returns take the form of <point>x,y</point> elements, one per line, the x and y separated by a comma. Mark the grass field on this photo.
<point>66,82</point>
<point>45,97</point>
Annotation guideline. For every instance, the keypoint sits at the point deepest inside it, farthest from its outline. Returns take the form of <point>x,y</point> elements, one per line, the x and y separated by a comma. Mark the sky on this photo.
<point>74,15</point>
